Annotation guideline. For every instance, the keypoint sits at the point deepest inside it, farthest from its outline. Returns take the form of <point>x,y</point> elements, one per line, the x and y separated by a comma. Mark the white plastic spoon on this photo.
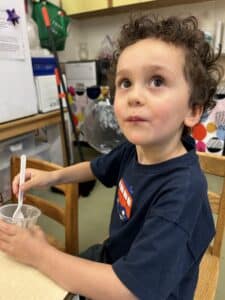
<point>18,213</point>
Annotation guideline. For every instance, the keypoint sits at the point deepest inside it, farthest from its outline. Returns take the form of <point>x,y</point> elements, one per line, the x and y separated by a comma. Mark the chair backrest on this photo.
<point>67,215</point>
<point>215,165</point>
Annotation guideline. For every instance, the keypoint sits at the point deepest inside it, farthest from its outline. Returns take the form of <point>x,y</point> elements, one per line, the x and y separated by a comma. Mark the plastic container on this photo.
<point>5,188</point>
<point>31,214</point>
<point>16,145</point>
<point>24,144</point>
<point>83,51</point>
<point>43,66</point>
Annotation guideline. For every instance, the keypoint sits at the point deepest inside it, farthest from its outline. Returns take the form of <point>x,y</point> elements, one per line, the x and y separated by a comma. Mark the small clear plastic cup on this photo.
<point>31,214</point>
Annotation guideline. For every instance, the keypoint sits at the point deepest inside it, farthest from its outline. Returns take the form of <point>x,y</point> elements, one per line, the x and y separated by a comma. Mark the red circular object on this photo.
<point>199,132</point>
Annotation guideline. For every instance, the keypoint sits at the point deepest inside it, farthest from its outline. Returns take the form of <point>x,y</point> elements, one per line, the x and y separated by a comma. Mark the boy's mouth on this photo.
<point>135,119</point>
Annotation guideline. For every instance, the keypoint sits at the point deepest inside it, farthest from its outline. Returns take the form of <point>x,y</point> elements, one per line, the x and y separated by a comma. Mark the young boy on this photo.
<point>161,221</point>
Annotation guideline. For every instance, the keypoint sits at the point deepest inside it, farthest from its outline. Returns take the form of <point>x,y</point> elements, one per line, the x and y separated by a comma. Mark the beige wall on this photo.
<point>56,2</point>
<point>93,30</point>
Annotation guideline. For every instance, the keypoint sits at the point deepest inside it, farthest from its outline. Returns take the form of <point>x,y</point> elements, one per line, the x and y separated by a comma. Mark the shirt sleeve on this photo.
<point>107,168</point>
<point>157,260</point>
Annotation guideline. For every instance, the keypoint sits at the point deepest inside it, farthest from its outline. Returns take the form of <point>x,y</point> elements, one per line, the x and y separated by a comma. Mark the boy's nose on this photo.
<point>135,97</point>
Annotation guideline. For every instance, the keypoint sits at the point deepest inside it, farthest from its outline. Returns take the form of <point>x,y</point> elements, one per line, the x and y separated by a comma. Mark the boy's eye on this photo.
<point>157,81</point>
<point>124,83</point>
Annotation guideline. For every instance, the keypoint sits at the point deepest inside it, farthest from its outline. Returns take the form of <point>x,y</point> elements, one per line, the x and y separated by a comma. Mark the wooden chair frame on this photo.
<point>209,267</point>
<point>67,216</point>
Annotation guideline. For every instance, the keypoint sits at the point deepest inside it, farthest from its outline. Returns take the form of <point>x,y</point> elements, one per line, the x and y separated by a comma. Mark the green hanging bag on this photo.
<point>59,24</point>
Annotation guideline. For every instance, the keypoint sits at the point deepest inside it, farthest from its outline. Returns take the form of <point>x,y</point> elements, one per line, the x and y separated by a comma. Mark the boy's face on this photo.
<point>152,95</point>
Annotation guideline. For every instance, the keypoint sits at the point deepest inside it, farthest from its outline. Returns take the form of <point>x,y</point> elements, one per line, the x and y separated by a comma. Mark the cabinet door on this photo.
<point>56,2</point>
<point>124,2</point>
<point>80,6</point>
<point>148,0</point>
<point>127,2</point>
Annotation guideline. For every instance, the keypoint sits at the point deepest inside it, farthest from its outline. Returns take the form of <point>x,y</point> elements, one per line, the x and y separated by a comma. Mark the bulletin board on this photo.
<point>209,134</point>
<point>18,96</point>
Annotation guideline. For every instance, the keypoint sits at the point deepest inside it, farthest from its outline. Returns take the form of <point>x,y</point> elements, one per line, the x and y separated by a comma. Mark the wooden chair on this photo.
<point>210,264</point>
<point>67,216</point>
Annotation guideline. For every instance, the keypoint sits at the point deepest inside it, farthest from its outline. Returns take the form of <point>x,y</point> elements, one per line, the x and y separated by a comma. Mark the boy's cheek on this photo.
<point>117,109</point>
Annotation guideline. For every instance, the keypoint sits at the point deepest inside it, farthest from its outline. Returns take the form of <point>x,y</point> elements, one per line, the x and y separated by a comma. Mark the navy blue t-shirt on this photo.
<point>161,222</point>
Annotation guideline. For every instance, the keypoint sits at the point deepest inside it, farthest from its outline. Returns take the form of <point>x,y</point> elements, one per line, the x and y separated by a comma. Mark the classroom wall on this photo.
<point>56,2</point>
<point>74,37</point>
<point>92,30</point>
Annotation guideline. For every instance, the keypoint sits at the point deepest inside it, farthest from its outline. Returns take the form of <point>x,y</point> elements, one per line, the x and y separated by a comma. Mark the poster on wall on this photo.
<point>18,96</point>
<point>11,37</point>
<point>209,134</point>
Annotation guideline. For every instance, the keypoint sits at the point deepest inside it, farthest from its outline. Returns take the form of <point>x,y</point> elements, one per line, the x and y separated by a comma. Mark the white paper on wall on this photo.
<point>11,38</point>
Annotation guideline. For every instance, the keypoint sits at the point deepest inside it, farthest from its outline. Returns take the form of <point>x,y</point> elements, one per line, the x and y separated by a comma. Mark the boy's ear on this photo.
<point>193,116</point>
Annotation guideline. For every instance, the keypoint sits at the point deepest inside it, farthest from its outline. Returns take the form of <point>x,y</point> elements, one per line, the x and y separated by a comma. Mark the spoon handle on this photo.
<point>22,177</point>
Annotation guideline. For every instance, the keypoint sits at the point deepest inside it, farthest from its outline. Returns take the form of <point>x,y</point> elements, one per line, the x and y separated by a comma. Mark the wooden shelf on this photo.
<point>135,7</point>
<point>31,123</point>
<point>24,125</point>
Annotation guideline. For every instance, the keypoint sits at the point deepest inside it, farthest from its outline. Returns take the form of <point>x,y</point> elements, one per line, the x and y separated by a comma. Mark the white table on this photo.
<point>20,282</point>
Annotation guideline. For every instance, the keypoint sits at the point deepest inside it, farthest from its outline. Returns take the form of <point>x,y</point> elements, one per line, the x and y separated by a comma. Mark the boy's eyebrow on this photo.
<point>154,68</point>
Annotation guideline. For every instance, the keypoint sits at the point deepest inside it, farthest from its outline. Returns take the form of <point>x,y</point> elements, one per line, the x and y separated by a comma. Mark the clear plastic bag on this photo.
<point>107,48</point>
<point>100,127</point>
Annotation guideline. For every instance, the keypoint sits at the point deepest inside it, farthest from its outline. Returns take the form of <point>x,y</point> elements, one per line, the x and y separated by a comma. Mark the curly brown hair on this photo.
<point>201,69</point>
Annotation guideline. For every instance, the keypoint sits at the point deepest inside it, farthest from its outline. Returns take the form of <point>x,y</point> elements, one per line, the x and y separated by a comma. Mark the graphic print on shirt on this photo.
<point>124,201</point>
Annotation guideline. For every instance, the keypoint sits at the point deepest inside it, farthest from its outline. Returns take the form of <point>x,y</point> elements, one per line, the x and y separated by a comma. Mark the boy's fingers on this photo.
<point>16,180</point>
<point>36,230</point>
<point>5,237</point>
<point>15,184</point>
<point>4,246</point>
<point>9,229</point>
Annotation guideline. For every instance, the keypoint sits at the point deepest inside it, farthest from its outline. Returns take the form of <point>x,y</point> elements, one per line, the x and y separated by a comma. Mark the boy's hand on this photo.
<point>25,245</point>
<point>33,178</point>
